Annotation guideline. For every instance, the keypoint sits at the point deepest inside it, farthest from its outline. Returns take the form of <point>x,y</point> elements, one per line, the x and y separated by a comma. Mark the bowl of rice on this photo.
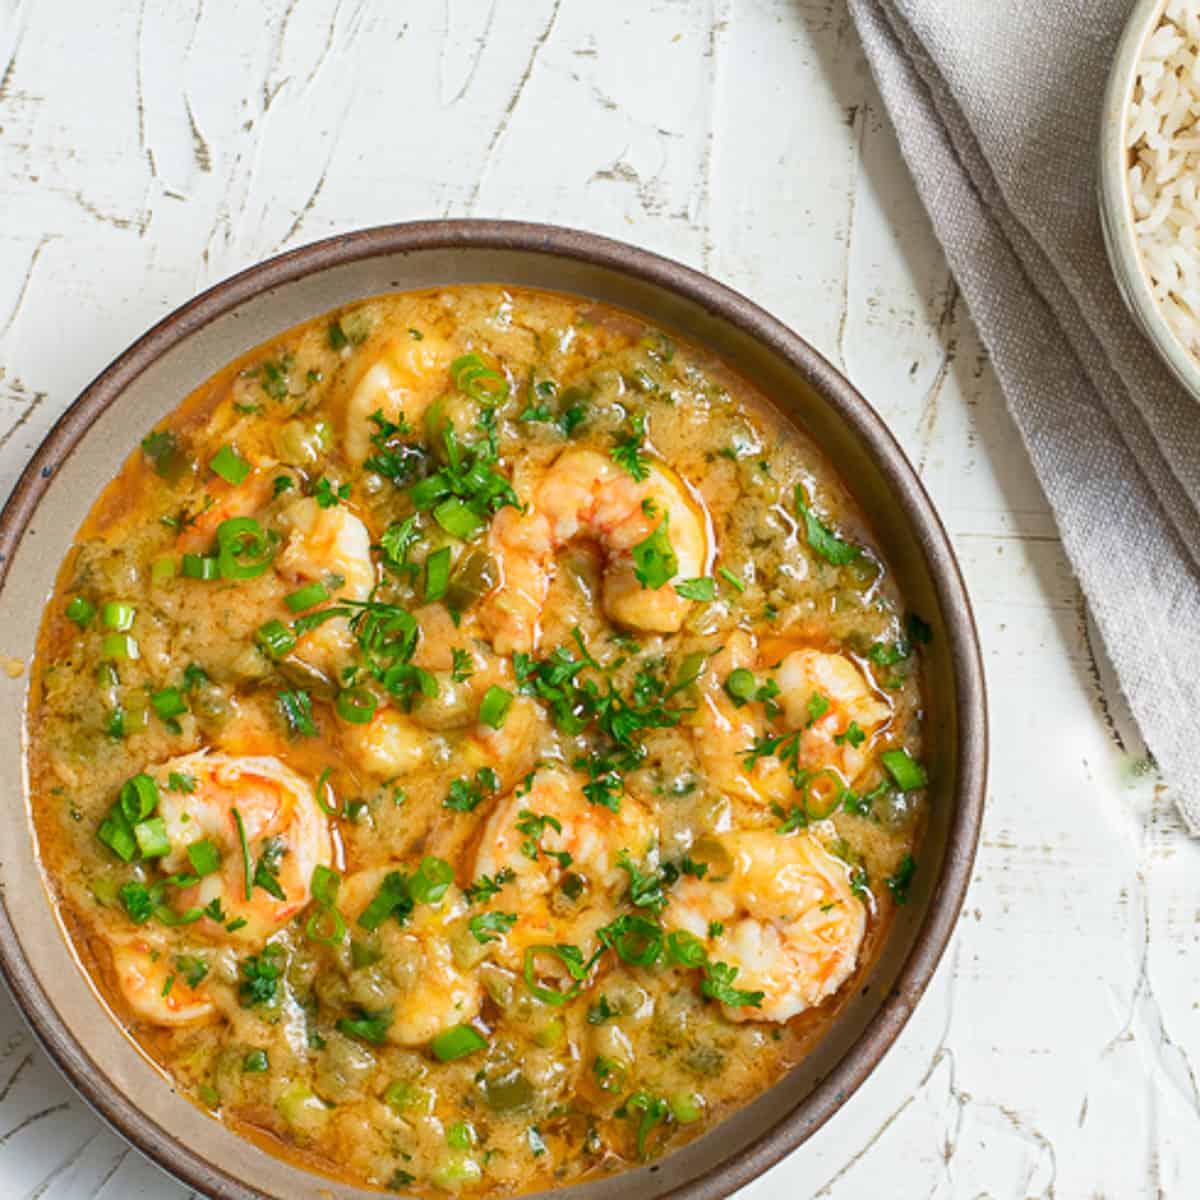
<point>1150,177</point>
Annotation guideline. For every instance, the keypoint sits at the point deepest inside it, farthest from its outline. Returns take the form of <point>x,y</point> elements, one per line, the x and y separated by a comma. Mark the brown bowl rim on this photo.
<point>805,1118</point>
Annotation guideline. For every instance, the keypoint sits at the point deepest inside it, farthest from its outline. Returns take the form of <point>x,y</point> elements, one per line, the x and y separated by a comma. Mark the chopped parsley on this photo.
<point>645,887</point>
<point>296,707</point>
<point>193,968</point>
<point>489,926</point>
<point>821,539</point>
<point>718,985</point>
<point>654,560</point>
<point>600,1012</point>
<point>273,377</point>
<point>703,589</point>
<point>466,795</point>
<point>393,456</point>
<point>266,872</point>
<point>260,977</point>
<point>329,495</point>
<point>853,736</point>
<point>462,665</point>
<point>533,826</point>
<point>395,542</point>
<point>900,883</point>
<point>487,886</point>
<point>627,453</point>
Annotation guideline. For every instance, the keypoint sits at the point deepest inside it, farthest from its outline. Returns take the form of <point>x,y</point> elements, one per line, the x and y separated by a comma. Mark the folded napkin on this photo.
<point>996,104</point>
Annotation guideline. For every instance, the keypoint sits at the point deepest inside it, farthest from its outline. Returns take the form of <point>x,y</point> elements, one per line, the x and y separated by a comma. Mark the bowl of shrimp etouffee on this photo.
<point>502,716</point>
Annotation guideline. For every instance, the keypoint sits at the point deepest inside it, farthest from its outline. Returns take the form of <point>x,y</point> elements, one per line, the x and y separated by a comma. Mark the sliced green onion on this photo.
<point>823,794</point>
<point>494,707</point>
<point>686,1107</point>
<point>230,465</point>
<point>233,528</point>
<point>330,810</point>
<point>356,705</point>
<point>904,769</point>
<point>315,927</point>
<point>457,1043</point>
<point>116,833</point>
<point>392,897</point>
<point>430,880</point>
<point>195,566</point>
<point>731,579</point>
<point>168,703</point>
<point>363,955</point>
<point>686,949</point>
<point>244,549</point>
<point>437,574</point>
<point>544,994</point>
<point>306,596</point>
<point>204,857</point>
<point>459,519</point>
<point>139,798</point>
<point>247,871</point>
<point>162,569</point>
<point>80,611</point>
<point>428,491</point>
<point>477,380</point>
<point>460,1136</point>
<point>275,639</point>
<point>325,884</point>
<point>152,837</point>
<point>256,1063</point>
<point>119,645</point>
<point>118,615</point>
<point>168,916</point>
<point>636,941</point>
<point>741,685</point>
<point>371,1027</point>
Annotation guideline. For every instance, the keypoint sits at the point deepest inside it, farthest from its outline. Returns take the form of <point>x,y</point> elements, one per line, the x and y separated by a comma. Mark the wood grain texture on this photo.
<point>149,149</point>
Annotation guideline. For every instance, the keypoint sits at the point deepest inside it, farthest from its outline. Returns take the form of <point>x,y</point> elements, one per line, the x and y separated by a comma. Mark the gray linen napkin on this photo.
<point>996,104</point>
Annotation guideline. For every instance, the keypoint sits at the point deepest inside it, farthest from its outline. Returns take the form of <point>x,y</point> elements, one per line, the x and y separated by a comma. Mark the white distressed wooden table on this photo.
<point>148,150</point>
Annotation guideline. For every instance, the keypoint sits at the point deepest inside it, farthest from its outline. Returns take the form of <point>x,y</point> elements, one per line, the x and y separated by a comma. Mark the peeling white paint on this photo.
<point>150,149</point>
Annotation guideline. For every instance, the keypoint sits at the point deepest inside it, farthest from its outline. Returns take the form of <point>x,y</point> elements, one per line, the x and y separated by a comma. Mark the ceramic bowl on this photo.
<point>88,444</point>
<point>1116,209</point>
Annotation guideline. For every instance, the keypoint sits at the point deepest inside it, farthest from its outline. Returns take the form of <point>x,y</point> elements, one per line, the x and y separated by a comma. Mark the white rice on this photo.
<point>1163,136</point>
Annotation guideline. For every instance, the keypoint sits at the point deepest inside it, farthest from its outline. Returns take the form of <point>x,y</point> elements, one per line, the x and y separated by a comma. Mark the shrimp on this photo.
<point>327,544</point>
<point>416,977</point>
<point>547,832</point>
<point>285,837</point>
<point>390,745</point>
<point>401,383</point>
<point>586,494</point>
<point>789,922</point>
<point>223,501</point>
<point>819,695</point>
<point>394,743</point>
<point>725,731</point>
<point>154,987</point>
<point>804,674</point>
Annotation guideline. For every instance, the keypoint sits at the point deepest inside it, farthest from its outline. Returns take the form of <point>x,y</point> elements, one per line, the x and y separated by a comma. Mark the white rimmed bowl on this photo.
<point>1116,208</point>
